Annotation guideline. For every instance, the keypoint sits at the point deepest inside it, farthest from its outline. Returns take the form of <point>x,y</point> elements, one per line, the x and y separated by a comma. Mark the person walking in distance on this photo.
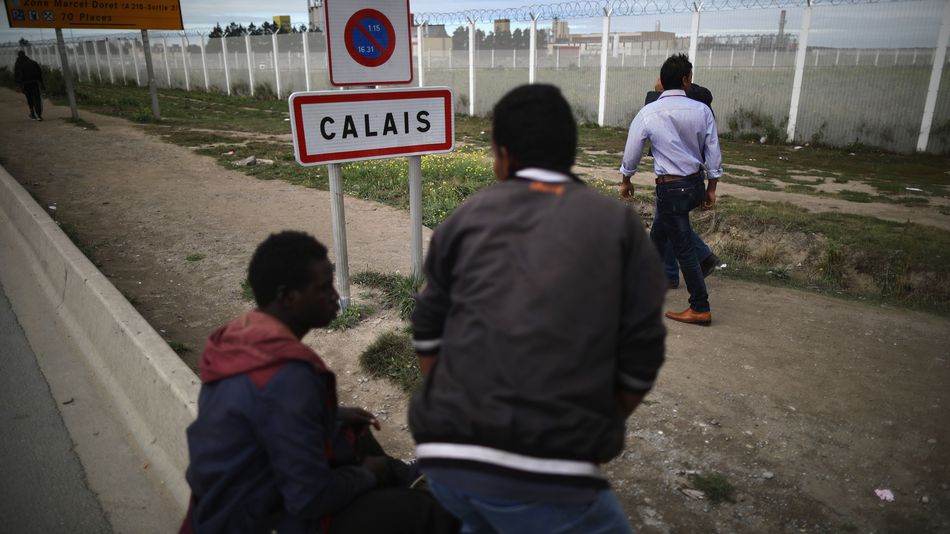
<point>684,139</point>
<point>708,261</point>
<point>29,76</point>
<point>539,331</point>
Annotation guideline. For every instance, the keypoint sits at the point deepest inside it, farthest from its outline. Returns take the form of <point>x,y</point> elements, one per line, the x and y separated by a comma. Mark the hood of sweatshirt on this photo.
<point>254,342</point>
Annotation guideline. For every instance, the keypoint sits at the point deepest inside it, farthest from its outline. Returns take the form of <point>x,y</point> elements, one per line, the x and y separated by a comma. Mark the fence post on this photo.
<point>877,55</point>
<point>184,61</point>
<point>732,56</point>
<point>168,70</point>
<point>936,72</point>
<point>120,43</point>
<point>420,53</point>
<point>774,58</point>
<point>471,67</point>
<point>109,62</point>
<point>532,47</point>
<point>604,39</point>
<point>250,63</point>
<point>67,75</point>
<point>799,72</point>
<point>557,57</point>
<point>817,54</point>
<point>857,57</point>
<point>204,63</point>
<point>150,71</point>
<point>694,36</point>
<point>753,57</point>
<point>897,53</point>
<point>95,52</point>
<point>305,36</point>
<point>493,56</point>
<point>709,61</point>
<point>514,58</point>
<point>837,56</point>
<point>273,38</point>
<point>224,58</point>
<point>135,63</point>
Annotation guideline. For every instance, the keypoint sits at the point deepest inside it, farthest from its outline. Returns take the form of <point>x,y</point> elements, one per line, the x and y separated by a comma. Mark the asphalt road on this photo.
<point>42,483</point>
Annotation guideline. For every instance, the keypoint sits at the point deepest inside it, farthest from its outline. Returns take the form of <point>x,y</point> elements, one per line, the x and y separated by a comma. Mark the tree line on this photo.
<point>503,40</point>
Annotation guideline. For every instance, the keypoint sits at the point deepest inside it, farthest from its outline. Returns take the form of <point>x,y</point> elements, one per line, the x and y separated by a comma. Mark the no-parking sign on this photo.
<point>368,42</point>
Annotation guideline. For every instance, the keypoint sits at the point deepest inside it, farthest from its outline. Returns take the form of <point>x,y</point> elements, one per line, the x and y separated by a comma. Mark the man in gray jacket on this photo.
<point>539,332</point>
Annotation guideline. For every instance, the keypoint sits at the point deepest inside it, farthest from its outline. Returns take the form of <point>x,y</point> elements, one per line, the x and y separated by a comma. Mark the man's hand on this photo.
<point>626,189</point>
<point>358,419</point>
<point>710,201</point>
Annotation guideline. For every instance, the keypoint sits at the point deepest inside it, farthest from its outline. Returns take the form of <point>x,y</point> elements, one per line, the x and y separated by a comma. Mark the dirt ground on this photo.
<point>806,404</point>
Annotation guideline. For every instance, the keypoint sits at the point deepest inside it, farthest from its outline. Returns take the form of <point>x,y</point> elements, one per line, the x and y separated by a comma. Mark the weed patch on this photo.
<point>195,257</point>
<point>391,357</point>
<point>351,316</point>
<point>715,486</point>
<point>397,289</point>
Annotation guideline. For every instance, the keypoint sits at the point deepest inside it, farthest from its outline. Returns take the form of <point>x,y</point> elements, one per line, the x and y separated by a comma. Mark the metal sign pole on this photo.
<point>471,68</point>
<point>152,86</point>
<point>338,215</point>
<point>306,58</point>
<point>415,214</point>
<point>67,75</point>
<point>936,73</point>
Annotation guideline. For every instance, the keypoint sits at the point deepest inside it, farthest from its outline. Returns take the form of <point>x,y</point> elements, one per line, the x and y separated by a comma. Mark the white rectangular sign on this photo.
<point>339,126</point>
<point>368,42</point>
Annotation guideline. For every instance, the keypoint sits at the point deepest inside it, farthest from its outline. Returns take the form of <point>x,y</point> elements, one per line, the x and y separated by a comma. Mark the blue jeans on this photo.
<point>670,265</point>
<point>674,201</point>
<point>489,515</point>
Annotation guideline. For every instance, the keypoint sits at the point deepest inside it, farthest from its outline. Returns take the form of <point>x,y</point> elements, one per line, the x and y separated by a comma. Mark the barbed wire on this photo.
<point>595,8</point>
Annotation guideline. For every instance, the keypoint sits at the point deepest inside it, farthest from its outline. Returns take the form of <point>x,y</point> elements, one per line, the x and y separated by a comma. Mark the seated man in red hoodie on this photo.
<point>271,449</point>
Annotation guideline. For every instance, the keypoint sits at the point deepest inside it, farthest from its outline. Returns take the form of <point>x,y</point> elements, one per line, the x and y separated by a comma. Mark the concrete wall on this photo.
<point>154,392</point>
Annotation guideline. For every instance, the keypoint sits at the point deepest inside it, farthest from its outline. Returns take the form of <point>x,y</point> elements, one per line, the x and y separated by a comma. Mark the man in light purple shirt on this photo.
<point>684,140</point>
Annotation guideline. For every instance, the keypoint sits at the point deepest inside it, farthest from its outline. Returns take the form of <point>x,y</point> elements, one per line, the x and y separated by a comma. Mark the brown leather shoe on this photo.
<point>691,316</point>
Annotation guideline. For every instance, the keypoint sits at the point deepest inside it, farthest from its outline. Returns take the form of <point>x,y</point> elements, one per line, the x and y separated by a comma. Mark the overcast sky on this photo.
<point>885,25</point>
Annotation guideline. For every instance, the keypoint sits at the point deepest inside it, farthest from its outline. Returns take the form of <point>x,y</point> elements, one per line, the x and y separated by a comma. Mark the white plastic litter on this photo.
<point>885,495</point>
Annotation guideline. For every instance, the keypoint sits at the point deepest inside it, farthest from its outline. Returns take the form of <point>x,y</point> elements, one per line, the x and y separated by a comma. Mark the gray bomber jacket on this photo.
<point>541,302</point>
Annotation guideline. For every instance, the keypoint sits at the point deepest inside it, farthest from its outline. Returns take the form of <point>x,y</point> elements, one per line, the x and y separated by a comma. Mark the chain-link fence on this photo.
<point>865,69</point>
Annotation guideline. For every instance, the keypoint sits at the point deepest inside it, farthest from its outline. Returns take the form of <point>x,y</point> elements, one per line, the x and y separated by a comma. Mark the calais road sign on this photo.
<point>339,126</point>
<point>99,14</point>
<point>368,42</point>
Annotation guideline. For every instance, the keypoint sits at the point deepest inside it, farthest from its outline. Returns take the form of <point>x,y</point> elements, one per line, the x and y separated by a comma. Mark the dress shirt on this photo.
<point>682,133</point>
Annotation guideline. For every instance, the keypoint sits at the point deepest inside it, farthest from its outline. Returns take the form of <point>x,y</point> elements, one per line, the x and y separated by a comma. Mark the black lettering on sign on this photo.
<point>349,128</point>
<point>323,128</point>
<point>421,120</point>
<point>390,125</point>
<point>366,130</point>
<point>405,120</point>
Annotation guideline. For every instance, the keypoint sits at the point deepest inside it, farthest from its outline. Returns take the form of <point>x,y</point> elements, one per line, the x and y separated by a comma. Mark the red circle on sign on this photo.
<point>353,25</point>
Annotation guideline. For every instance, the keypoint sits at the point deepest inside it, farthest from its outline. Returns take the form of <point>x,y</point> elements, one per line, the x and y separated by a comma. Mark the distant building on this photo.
<point>283,23</point>
<point>560,30</point>
<point>315,9</point>
<point>625,42</point>
<point>502,26</point>
<point>436,41</point>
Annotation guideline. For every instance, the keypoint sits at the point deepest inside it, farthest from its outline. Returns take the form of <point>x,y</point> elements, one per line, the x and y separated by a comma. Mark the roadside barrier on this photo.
<point>153,390</point>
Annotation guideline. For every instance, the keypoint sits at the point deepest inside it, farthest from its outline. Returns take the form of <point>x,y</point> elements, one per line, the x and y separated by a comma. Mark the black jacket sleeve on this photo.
<point>433,301</point>
<point>642,334</point>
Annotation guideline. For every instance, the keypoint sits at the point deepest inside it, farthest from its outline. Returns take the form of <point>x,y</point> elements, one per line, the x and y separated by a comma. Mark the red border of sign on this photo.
<point>304,158</point>
<point>351,46</point>
<point>326,20</point>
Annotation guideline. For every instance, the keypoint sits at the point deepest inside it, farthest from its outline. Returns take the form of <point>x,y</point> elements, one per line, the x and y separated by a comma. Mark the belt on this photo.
<point>663,178</point>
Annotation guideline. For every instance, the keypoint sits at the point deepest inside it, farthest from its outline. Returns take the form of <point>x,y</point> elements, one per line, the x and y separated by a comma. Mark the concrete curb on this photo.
<point>153,390</point>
